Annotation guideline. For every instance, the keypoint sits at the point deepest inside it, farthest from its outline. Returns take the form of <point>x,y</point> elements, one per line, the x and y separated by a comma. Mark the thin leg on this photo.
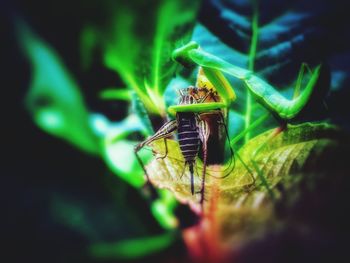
<point>256,166</point>
<point>209,93</point>
<point>277,131</point>
<point>192,178</point>
<point>138,158</point>
<point>222,122</point>
<point>166,150</point>
<point>204,133</point>
<point>251,127</point>
<point>163,132</point>
<point>231,148</point>
<point>205,151</point>
<point>148,189</point>
<point>250,172</point>
<point>254,163</point>
<point>300,78</point>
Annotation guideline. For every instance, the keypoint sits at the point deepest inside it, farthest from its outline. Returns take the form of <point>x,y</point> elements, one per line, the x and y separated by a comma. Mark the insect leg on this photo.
<point>261,175</point>
<point>190,165</point>
<point>148,187</point>
<point>166,150</point>
<point>222,122</point>
<point>230,167</point>
<point>163,132</point>
<point>252,126</point>
<point>297,87</point>
<point>263,92</point>
<point>299,79</point>
<point>204,132</point>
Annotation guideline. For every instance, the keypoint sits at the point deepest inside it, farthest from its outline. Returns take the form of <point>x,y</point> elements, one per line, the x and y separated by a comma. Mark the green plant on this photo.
<point>140,53</point>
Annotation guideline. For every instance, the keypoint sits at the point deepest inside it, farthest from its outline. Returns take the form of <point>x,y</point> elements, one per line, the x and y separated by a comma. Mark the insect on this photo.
<point>197,106</point>
<point>201,131</point>
<point>213,67</point>
<point>283,109</point>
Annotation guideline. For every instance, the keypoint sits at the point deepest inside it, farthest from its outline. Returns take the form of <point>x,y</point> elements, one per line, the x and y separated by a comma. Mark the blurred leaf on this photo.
<point>88,42</point>
<point>112,230</point>
<point>139,108</point>
<point>121,159</point>
<point>119,150</point>
<point>237,207</point>
<point>54,98</point>
<point>138,40</point>
<point>163,209</point>
<point>132,248</point>
<point>115,94</point>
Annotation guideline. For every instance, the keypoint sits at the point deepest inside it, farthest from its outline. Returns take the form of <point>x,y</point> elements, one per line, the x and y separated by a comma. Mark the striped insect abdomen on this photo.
<point>188,136</point>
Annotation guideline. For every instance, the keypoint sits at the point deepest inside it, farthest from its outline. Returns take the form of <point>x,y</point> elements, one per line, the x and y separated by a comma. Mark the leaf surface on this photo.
<point>240,208</point>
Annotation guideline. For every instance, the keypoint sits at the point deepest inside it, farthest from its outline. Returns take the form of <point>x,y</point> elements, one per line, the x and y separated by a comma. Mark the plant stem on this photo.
<point>252,54</point>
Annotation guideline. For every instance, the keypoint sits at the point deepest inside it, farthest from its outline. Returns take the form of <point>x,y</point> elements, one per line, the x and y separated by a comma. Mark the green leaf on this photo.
<point>120,157</point>
<point>54,99</point>
<point>132,248</point>
<point>116,94</point>
<point>138,40</point>
<point>236,204</point>
<point>129,239</point>
<point>119,150</point>
<point>276,159</point>
<point>139,109</point>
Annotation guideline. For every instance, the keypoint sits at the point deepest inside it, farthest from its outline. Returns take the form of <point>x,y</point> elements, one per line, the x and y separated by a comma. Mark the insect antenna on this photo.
<point>232,158</point>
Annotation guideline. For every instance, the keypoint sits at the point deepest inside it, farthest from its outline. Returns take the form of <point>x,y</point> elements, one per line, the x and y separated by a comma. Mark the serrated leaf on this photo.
<point>275,160</point>
<point>238,207</point>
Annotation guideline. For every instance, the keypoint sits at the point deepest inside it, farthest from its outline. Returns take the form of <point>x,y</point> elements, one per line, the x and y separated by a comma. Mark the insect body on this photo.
<point>201,111</point>
<point>195,128</point>
<point>188,137</point>
<point>265,94</point>
<point>280,107</point>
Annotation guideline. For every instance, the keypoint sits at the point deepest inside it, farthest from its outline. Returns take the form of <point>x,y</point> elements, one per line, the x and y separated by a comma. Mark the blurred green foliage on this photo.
<point>135,40</point>
<point>54,98</point>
